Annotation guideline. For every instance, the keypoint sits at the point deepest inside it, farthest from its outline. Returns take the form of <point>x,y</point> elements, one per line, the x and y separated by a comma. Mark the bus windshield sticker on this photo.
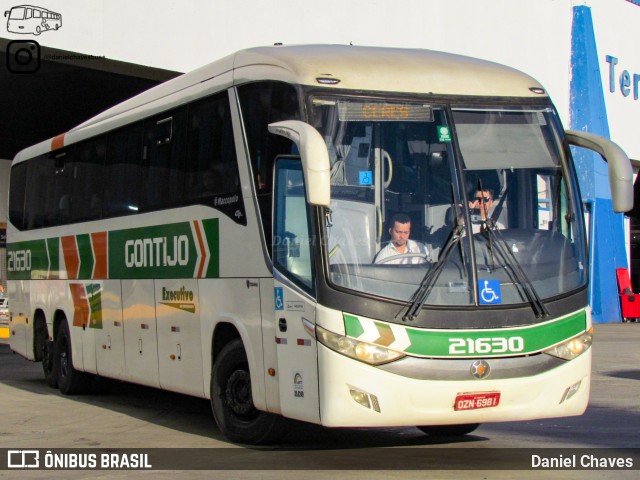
<point>444,135</point>
<point>366,177</point>
<point>278,293</point>
<point>489,292</point>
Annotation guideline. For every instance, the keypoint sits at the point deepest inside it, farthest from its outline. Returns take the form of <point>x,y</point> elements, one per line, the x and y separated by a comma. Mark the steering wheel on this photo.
<point>401,256</point>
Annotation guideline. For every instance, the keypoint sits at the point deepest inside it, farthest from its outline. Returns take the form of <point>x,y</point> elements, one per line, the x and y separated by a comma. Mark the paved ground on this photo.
<point>128,416</point>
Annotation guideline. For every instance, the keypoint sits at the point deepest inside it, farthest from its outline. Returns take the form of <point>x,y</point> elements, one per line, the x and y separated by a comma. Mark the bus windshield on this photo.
<point>17,13</point>
<point>449,205</point>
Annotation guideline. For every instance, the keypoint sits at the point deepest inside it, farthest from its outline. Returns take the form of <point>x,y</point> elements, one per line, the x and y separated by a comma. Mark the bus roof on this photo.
<point>353,67</point>
<point>34,7</point>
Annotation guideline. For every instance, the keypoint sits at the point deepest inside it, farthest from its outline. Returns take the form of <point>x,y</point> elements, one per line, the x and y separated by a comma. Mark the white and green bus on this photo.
<point>215,236</point>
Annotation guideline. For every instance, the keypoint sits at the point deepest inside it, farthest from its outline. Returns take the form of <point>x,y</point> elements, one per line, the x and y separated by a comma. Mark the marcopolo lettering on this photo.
<point>157,252</point>
<point>225,200</point>
<point>625,80</point>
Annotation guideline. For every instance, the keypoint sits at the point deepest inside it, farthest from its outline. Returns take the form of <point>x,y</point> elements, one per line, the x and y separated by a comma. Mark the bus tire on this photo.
<point>44,350</point>
<point>449,430</point>
<point>232,405</point>
<point>70,380</point>
<point>50,364</point>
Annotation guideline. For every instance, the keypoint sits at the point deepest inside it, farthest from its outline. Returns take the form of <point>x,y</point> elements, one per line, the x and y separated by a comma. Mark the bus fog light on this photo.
<point>573,347</point>
<point>363,351</point>
<point>570,391</point>
<point>365,399</point>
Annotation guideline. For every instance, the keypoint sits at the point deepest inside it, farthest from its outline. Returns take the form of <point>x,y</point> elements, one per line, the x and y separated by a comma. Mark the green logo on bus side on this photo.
<point>179,250</point>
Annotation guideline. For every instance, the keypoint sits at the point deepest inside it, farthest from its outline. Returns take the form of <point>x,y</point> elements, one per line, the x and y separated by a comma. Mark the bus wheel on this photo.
<point>49,364</point>
<point>70,380</point>
<point>232,404</point>
<point>449,430</point>
<point>44,350</point>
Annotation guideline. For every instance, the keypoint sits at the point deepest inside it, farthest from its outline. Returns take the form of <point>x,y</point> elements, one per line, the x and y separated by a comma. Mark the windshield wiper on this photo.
<point>491,233</point>
<point>428,281</point>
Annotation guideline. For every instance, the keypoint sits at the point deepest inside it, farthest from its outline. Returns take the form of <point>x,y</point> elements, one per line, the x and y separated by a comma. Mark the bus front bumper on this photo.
<point>354,394</point>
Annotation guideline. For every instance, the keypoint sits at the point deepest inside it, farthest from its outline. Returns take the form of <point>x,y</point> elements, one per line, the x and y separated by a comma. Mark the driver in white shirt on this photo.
<point>400,244</point>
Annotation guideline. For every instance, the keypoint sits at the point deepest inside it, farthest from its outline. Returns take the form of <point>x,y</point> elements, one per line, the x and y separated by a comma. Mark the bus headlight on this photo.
<point>573,347</point>
<point>363,351</point>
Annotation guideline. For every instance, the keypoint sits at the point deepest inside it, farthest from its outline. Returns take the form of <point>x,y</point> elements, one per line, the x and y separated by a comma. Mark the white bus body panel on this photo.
<point>110,339</point>
<point>21,319</point>
<point>297,354</point>
<point>179,346</point>
<point>141,338</point>
<point>269,348</point>
<point>235,301</point>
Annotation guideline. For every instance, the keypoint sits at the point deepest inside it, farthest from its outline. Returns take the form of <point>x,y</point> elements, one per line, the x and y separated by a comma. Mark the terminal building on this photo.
<point>72,59</point>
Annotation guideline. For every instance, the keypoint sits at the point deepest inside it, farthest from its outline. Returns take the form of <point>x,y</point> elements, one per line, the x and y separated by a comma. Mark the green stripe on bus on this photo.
<point>53,247</point>
<point>352,326</point>
<point>86,257</point>
<point>212,232</point>
<point>27,260</point>
<point>161,251</point>
<point>94,296</point>
<point>482,342</point>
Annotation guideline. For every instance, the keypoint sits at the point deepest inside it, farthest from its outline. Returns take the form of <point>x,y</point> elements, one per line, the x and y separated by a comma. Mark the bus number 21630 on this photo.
<point>466,346</point>
<point>19,260</point>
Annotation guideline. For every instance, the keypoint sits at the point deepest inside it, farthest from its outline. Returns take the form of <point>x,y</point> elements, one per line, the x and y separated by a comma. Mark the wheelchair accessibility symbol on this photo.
<point>489,292</point>
<point>277,291</point>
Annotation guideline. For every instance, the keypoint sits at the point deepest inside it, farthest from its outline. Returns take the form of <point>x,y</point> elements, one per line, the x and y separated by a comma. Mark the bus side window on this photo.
<point>263,103</point>
<point>123,172</point>
<point>63,187</point>
<point>211,164</point>
<point>17,194</point>
<point>165,140</point>
<point>291,230</point>
<point>87,192</point>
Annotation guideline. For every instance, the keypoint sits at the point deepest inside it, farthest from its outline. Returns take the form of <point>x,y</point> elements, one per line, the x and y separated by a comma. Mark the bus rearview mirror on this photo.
<point>619,166</point>
<point>314,155</point>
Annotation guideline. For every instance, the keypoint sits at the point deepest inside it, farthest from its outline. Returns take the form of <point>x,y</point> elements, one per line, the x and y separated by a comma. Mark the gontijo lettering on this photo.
<point>156,252</point>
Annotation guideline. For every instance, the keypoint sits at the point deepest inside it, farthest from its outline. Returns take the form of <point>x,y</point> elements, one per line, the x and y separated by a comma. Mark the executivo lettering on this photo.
<point>181,299</point>
<point>181,295</point>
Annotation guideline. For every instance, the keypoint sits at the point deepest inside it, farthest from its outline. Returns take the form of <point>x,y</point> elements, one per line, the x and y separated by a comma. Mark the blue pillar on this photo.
<point>589,114</point>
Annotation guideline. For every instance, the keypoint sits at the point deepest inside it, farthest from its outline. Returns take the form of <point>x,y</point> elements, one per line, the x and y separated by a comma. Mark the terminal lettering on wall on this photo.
<point>621,79</point>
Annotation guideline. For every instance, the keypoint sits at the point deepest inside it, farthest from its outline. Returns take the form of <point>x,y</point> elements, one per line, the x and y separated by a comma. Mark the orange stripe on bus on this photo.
<point>58,141</point>
<point>203,253</point>
<point>99,241</point>
<point>71,258</point>
<point>81,309</point>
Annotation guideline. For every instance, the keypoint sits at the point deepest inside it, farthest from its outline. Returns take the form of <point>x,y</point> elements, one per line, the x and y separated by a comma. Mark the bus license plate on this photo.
<point>472,401</point>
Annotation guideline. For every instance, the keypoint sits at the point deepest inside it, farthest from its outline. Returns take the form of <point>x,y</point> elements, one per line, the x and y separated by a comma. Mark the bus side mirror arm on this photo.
<point>314,155</point>
<point>619,166</point>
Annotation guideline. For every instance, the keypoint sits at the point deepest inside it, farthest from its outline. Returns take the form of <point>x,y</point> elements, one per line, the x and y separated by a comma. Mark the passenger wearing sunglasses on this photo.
<point>480,204</point>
